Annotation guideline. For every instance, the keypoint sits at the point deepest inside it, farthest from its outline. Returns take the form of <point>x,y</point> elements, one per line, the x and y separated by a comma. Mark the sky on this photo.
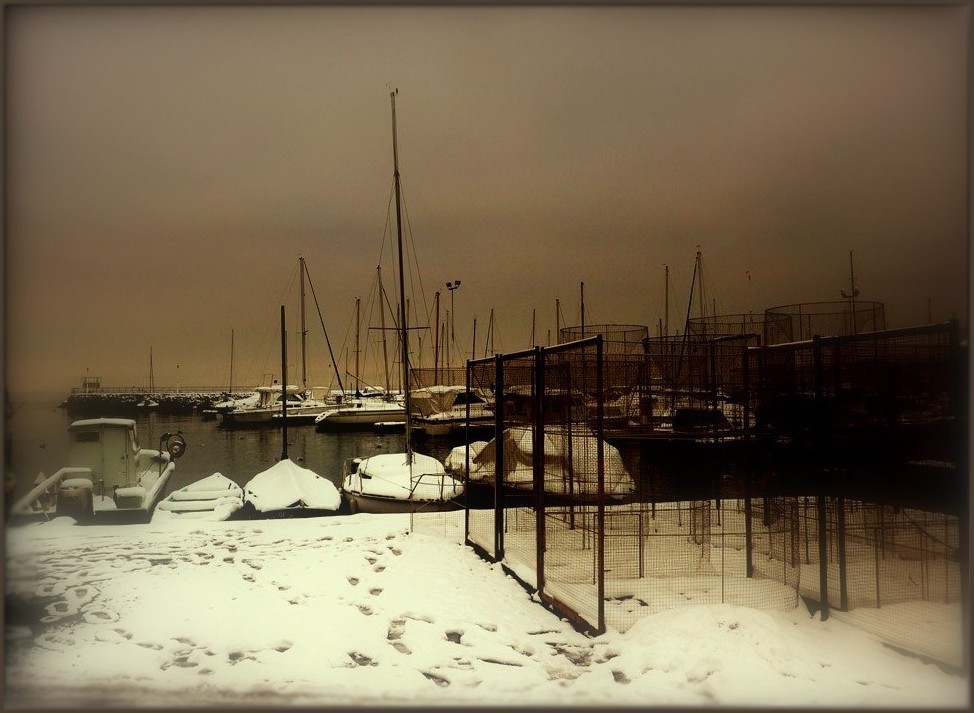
<point>167,166</point>
<point>329,611</point>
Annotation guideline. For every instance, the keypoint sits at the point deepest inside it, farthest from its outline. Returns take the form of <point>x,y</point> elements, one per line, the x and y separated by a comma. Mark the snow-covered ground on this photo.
<point>360,609</point>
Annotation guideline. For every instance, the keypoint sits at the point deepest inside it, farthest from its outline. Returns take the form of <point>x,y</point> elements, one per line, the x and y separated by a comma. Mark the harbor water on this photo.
<point>38,442</point>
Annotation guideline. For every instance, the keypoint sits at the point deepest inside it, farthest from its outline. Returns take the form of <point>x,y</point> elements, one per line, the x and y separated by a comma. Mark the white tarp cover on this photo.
<point>388,475</point>
<point>561,464</point>
<point>286,485</point>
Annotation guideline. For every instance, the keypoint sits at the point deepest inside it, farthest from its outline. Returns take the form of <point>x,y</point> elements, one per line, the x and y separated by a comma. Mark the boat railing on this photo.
<point>439,480</point>
<point>45,486</point>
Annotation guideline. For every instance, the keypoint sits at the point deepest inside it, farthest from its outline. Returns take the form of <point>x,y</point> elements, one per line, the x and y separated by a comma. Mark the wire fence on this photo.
<point>567,511</point>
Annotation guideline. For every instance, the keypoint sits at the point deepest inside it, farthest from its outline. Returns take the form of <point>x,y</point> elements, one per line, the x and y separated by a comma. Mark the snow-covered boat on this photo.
<point>569,463</point>
<point>362,412</point>
<point>387,483</point>
<point>440,410</point>
<point>287,488</point>
<point>267,409</point>
<point>106,472</point>
<point>213,498</point>
<point>400,482</point>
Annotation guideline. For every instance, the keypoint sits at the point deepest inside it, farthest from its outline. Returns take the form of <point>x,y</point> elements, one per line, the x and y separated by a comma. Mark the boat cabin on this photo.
<point>109,448</point>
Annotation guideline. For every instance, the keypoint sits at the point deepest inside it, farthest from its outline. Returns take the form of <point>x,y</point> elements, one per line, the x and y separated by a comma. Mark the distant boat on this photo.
<point>440,410</point>
<point>147,401</point>
<point>106,472</point>
<point>266,409</point>
<point>303,406</point>
<point>362,412</point>
<point>400,482</point>
<point>213,498</point>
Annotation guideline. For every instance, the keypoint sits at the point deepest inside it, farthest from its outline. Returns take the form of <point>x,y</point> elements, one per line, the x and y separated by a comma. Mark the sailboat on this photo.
<point>400,482</point>
<point>147,401</point>
<point>373,406</point>
<point>287,489</point>
<point>303,407</point>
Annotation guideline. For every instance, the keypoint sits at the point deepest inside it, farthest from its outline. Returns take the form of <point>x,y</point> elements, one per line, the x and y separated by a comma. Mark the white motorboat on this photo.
<point>362,412</point>
<point>267,409</point>
<point>400,482</point>
<point>440,410</point>
<point>107,472</point>
<point>287,488</point>
<point>214,498</point>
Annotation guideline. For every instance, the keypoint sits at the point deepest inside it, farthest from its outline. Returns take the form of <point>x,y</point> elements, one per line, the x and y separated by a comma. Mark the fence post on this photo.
<point>876,561</point>
<point>600,450</point>
<point>498,457</point>
<point>537,462</point>
<point>823,563</point>
<point>748,534</point>
<point>843,582</point>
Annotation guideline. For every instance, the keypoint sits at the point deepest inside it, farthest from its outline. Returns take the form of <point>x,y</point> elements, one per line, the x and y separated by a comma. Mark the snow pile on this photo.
<point>356,610</point>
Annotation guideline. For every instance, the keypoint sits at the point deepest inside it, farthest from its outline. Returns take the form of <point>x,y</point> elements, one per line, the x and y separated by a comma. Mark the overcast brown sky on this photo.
<point>166,166</point>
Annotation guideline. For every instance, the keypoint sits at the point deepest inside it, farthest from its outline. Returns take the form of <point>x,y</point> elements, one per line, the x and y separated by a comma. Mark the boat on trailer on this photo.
<point>107,475</point>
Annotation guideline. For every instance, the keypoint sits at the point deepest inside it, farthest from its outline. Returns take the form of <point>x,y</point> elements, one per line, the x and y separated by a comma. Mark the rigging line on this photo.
<point>414,255</point>
<point>321,319</point>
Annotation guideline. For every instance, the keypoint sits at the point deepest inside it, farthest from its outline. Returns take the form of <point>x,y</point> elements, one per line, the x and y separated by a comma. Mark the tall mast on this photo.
<point>402,284</point>
<point>304,332</point>
<point>666,301</point>
<point>382,324</point>
<point>557,321</point>
<point>358,391</point>
<point>853,294</point>
<point>283,386</point>
<point>152,381</point>
<point>699,268</point>
<point>436,340</point>
<point>231,361</point>
<point>581,300</point>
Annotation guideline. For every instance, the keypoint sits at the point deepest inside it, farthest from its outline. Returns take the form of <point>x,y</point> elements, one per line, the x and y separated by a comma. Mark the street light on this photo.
<point>452,286</point>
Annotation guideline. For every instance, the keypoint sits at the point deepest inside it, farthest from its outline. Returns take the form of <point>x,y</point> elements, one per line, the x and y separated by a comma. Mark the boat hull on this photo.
<point>379,505</point>
<point>362,420</point>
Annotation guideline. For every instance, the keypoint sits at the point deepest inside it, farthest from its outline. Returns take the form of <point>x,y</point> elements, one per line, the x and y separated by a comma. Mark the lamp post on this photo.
<point>452,286</point>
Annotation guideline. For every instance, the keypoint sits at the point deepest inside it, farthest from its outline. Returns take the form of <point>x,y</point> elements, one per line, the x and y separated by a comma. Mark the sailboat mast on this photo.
<point>402,284</point>
<point>436,340</point>
<point>357,323</point>
<point>231,361</point>
<point>382,325</point>
<point>283,386</point>
<point>558,320</point>
<point>700,301</point>
<point>666,301</point>
<point>304,332</point>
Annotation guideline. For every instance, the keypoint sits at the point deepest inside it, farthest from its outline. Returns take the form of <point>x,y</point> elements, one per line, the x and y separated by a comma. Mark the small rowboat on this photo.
<point>213,498</point>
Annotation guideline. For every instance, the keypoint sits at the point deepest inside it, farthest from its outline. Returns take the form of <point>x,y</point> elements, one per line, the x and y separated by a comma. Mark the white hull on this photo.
<point>269,416</point>
<point>374,504</point>
<point>386,484</point>
<point>214,498</point>
<point>360,418</point>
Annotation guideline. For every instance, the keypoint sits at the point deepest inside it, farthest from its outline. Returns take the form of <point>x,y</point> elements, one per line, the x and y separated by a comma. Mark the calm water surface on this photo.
<point>38,432</point>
